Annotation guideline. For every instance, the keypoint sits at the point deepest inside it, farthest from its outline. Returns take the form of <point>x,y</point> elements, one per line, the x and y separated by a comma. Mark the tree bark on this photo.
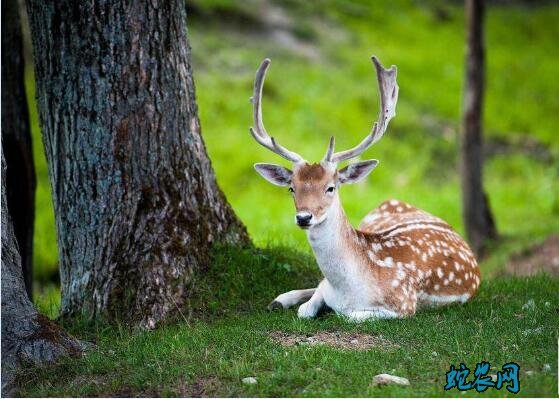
<point>136,202</point>
<point>16,139</point>
<point>27,336</point>
<point>476,212</point>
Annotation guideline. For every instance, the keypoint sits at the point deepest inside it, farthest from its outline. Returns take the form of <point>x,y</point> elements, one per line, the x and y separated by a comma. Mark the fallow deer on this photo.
<point>400,257</point>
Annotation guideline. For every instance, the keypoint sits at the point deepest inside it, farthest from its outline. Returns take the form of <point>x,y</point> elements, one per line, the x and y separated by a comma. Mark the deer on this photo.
<point>400,257</point>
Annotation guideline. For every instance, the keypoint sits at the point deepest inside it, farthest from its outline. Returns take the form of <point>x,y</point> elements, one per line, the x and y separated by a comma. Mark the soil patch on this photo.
<point>540,257</point>
<point>201,388</point>
<point>342,340</point>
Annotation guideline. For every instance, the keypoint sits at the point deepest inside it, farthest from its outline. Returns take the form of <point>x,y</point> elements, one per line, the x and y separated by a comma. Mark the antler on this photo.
<point>258,131</point>
<point>388,89</point>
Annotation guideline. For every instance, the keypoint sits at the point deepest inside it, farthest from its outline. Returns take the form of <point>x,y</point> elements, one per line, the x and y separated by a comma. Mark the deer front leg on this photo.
<point>291,298</point>
<point>310,309</point>
<point>377,313</point>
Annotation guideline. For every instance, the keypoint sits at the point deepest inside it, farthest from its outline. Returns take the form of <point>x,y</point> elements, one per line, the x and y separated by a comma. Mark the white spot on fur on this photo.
<point>388,262</point>
<point>371,218</point>
<point>400,274</point>
<point>440,272</point>
<point>395,283</point>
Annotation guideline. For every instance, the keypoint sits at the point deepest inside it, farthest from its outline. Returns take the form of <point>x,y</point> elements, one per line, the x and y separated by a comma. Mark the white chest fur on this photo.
<point>345,287</point>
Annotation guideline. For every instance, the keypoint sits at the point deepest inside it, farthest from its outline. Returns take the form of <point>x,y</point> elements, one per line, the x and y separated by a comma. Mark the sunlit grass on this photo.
<point>227,339</point>
<point>307,101</point>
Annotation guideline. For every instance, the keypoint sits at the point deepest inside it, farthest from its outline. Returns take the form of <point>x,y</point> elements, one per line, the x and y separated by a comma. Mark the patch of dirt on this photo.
<point>201,388</point>
<point>127,391</point>
<point>540,257</point>
<point>99,380</point>
<point>341,340</point>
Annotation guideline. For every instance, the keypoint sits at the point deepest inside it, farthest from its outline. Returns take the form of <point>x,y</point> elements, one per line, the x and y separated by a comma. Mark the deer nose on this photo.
<point>303,218</point>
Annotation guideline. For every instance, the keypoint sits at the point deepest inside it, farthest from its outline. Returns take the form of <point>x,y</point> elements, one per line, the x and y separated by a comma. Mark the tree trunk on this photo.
<point>136,202</point>
<point>27,336</point>
<point>16,139</point>
<point>478,220</point>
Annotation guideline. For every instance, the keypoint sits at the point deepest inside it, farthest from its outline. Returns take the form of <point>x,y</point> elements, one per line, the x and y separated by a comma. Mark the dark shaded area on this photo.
<point>16,139</point>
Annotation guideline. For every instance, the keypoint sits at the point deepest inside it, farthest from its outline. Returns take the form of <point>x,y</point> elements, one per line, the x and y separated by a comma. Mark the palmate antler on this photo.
<point>258,131</point>
<point>388,89</point>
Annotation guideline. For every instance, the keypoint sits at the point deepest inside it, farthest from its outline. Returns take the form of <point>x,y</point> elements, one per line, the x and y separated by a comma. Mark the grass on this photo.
<point>512,319</point>
<point>308,100</point>
<point>309,97</point>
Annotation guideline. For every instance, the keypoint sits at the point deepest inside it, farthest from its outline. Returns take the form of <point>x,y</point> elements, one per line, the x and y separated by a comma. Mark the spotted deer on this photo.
<point>399,258</point>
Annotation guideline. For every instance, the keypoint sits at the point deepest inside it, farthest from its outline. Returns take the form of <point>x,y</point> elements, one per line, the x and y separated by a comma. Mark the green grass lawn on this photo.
<point>308,100</point>
<point>327,86</point>
<point>227,338</point>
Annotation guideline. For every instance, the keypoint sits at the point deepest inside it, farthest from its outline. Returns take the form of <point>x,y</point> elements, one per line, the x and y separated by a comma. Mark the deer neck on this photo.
<point>331,242</point>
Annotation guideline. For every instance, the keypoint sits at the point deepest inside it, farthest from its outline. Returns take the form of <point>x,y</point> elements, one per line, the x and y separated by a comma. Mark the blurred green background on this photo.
<point>322,83</point>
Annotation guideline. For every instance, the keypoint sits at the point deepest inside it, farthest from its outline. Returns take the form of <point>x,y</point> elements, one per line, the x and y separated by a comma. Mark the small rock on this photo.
<point>354,341</point>
<point>529,372</point>
<point>493,377</point>
<point>434,354</point>
<point>249,380</point>
<point>546,367</point>
<point>383,379</point>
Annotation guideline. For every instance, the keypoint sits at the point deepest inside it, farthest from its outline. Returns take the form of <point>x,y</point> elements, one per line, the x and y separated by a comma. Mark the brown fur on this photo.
<point>309,183</point>
<point>410,255</point>
<point>427,249</point>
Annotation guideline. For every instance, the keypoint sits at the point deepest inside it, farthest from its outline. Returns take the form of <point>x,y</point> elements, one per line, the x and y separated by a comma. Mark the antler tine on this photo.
<point>258,131</point>
<point>388,90</point>
<point>330,150</point>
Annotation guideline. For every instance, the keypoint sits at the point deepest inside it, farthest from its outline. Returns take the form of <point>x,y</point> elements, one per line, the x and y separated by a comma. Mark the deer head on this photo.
<point>314,186</point>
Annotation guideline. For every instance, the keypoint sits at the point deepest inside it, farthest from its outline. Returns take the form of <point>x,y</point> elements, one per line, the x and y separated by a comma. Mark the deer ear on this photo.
<point>275,174</point>
<point>354,172</point>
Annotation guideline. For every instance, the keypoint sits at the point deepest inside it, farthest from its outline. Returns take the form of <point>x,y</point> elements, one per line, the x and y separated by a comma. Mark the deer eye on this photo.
<point>330,189</point>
